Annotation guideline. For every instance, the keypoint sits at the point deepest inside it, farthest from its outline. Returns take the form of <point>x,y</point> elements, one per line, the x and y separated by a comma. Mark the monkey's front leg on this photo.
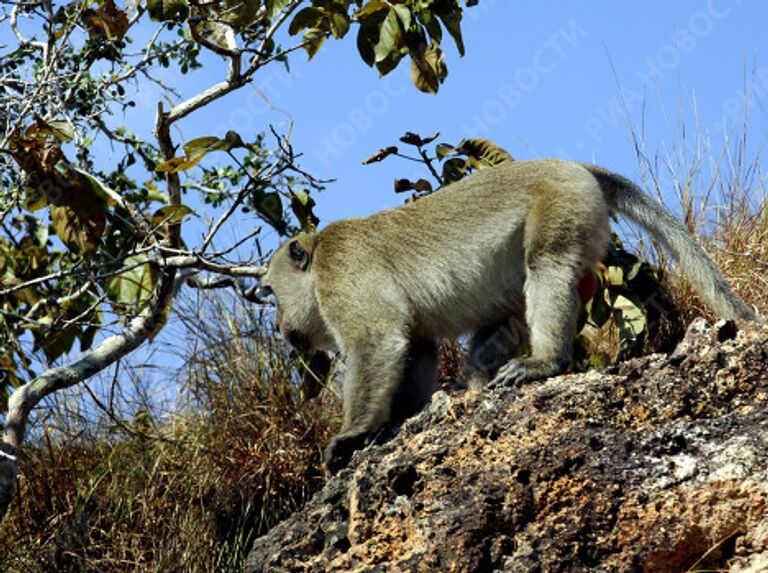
<point>375,367</point>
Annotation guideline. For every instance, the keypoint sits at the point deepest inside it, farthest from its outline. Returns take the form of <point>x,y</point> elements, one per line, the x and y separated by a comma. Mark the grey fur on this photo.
<point>504,249</point>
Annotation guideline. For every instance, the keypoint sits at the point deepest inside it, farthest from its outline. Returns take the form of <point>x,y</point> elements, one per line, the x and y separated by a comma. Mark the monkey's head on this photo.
<point>289,277</point>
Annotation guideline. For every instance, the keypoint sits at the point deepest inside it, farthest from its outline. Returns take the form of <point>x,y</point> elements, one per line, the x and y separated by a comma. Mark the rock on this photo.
<point>659,464</point>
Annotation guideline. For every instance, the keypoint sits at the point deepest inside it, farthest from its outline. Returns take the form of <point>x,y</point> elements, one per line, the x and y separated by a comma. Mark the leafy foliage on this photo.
<point>458,161</point>
<point>85,232</point>
<point>626,312</point>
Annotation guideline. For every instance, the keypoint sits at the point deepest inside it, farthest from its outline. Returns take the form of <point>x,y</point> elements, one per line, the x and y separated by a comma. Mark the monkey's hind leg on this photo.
<point>552,306</point>
<point>491,347</point>
<point>566,232</point>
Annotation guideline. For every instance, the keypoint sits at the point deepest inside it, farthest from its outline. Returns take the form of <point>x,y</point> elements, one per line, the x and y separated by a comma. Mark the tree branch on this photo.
<point>195,261</point>
<point>166,254</point>
<point>26,397</point>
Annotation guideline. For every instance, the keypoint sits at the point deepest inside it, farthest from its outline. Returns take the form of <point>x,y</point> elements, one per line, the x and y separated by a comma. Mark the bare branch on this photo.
<point>747,255</point>
<point>236,79</point>
<point>51,56</point>
<point>287,11</point>
<point>89,271</point>
<point>232,247</point>
<point>246,292</point>
<point>19,35</point>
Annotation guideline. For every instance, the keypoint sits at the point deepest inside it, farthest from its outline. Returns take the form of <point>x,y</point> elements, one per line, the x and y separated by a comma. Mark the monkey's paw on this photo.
<point>340,450</point>
<point>517,371</point>
<point>511,374</point>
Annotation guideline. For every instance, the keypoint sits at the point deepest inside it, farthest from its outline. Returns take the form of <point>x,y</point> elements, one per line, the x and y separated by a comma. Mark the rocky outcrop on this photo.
<point>659,464</point>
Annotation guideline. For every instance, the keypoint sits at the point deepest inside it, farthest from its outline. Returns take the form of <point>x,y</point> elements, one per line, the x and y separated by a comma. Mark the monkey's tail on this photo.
<point>626,198</point>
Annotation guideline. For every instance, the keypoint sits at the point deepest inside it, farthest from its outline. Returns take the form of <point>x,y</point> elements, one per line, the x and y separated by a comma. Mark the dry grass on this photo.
<point>722,195</point>
<point>188,493</point>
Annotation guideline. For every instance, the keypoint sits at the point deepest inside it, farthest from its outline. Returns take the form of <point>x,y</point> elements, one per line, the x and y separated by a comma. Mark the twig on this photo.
<point>224,252</point>
<point>746,255</point>
<point>198,262</point>
<point>84,288</point>
<point>235,204</point>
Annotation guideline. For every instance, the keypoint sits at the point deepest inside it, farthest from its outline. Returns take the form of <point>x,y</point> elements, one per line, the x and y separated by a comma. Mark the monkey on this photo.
<point>504,250</point>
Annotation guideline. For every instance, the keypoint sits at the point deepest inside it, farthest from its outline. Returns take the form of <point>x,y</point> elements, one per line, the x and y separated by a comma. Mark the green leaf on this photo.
<point>631,318</point>
<point>61,130</point>
<point>428,68</point>
<point>339,24</point>
<point>450,14</point>
<point>632,268</point>
<point>432,25</point>
<point>241,14</point>
<point>55,343</point>
<point>34,199</point>
<point>599,309</point>
<point>454,169</point>
<point>233,140</point>
<point>196,149</point>
<point>404,15</point>
<point>390,63</point>
<point>171,214</point>
<point>165,10</point>
<point>97,187</point>
<point>389,36</point>
<point>87,336</point>
<point>306,18</point>
<point>133,287</point>
<point>368,36</point>
<point>615,275</point>
<point>274,7</point>
<point>37,230</point>
<point>81,218</point>
<point>301,205</point>
<point>175,164</point>
<point>444,149</point>
<point>313,40</point>
<point>369,9</point>
<point>269,206</point>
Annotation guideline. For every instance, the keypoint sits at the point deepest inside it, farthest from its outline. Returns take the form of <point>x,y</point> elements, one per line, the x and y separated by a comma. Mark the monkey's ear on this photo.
<point>299,255</point>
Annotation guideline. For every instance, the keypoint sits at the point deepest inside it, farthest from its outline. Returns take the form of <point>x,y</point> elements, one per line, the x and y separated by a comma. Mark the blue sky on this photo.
<point>539,78</point>
<point>542,79</point>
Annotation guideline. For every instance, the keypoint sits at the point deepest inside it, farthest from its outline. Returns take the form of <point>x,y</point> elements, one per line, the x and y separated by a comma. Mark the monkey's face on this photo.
<point>290,279</point>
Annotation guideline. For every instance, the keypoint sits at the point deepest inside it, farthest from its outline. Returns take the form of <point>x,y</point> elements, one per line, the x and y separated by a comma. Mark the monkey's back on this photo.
<point>457,257</point>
